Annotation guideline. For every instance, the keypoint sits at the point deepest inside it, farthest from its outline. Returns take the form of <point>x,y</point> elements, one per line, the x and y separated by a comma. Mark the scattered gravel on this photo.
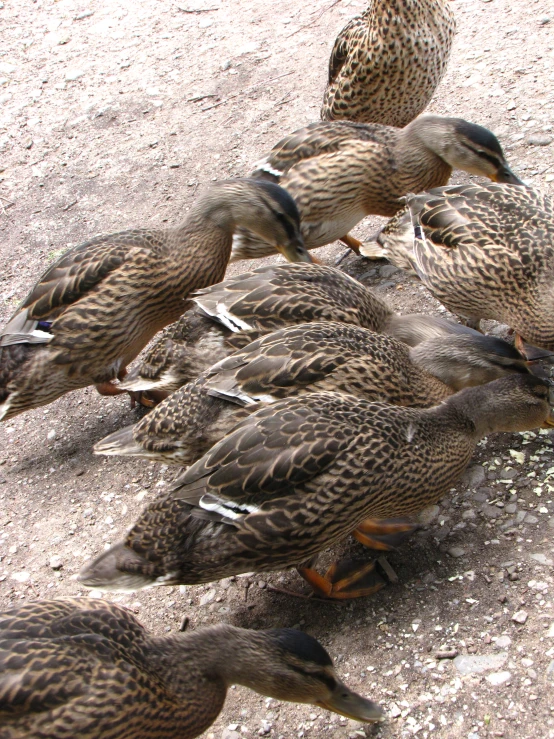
<point>114,115</point>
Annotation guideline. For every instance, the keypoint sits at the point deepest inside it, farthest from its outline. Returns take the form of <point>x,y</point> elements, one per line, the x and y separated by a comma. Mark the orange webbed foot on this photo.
<point>384,534</point>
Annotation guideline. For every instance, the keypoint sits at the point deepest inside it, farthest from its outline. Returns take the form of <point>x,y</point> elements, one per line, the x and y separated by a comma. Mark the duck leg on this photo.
<point>346,579</point>
<point>353,246</point>
<point>108,388</point>
<point>351,243</point>
<point>147,398</point>
<point>384,534</point>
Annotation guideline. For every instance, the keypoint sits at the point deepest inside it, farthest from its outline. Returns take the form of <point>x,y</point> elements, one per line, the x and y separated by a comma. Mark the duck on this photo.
<point>87,668</point>
<point>339,172</point>
<point>387,63</point>
<point>228,316</point>
<point>484,251</point>
<point>99,304</point>
<point>300,475</point>
<point>313,357</point>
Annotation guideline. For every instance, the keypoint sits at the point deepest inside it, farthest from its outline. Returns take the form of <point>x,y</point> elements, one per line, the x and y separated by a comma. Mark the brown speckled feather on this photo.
<point>253,304</point>
<point>308,358</point>
<point>93,311</point>
<point>485,251</point>
<point>232,314</point>
<point>338,172</point>
<point>386,64</point>
<point>297,476</point>
<point>83,668</point>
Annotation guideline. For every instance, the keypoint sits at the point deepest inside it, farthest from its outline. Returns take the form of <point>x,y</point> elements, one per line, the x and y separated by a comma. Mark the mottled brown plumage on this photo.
<point>83,668</point>
<point>232,314</point>
<point>313,357</point>
<point>386,63</point>
<point>340,172</point>
<point>300,475</point>
<point>93,311</point>
<point>485,251</point>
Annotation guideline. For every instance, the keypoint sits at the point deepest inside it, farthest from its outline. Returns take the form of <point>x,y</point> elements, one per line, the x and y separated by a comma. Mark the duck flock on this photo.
<point>299,406</point>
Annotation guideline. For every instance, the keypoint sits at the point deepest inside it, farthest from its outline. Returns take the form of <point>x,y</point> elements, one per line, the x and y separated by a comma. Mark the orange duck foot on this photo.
<point>384,534</point>
<point>108,388</point>
<point>346,579</point>
<point>352,243</point>
<point>147,398</point>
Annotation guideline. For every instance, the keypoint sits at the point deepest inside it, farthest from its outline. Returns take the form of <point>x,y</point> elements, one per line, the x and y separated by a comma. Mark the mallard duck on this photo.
<point>311,357</point>
<point>230,315</point>
<point>86,668</point>
<point>300,475</point>
<point>340,172</point>
<point>387,63</point>
<point>93,311</point>
<point>485,251</point>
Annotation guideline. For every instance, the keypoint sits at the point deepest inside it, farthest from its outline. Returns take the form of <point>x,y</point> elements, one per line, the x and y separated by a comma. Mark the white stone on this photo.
<point>503,642</point>
<point>56,562</point>
<point>74,74</point>
<point>21,576</point>
<point>468,664</point>
<point>499,678</point>
<point>207,597</point>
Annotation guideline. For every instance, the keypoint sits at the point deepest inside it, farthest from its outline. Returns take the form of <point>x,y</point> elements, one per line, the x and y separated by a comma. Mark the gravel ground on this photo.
<point>114,115</point>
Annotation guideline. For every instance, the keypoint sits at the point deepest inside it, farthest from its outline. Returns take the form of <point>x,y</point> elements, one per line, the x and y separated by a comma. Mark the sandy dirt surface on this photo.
<point>116,115</point>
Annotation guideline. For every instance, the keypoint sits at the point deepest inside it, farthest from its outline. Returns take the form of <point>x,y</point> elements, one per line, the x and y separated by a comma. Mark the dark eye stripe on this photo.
<point>496,161</point>
<point>323,677</point>
<point>287,225</point>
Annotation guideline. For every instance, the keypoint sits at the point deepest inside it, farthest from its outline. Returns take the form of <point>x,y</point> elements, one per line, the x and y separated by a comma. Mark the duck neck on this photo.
<point>421,147</point>
<point>214,208</point>
<point>481,407</point>
<point>220,654</point>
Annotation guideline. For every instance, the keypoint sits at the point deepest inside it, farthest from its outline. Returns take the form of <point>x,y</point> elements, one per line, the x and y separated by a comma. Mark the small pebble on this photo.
<point>207,597</point>
<point>469,664</point>
<point>498,678</point>
<point>520,617</point>
<point>56,562</point>
<point>503,642</point>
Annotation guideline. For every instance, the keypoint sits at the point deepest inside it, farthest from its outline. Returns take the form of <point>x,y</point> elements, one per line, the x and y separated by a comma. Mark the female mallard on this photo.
<point>340,172</point>
<point>485,251</point>
<point>93,311</point>
<point>312,357</point>
<point>300,475</point>
<point>387,63</point>
<point>233,313</point>
<point>85,668</point>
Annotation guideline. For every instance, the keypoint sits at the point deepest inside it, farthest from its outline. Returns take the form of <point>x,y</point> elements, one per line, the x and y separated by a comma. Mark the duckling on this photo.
<point>340,172</point>
<point>308,358</point>
<point>86,668</point>
<point>94,310</point>
<point>300,475</point>
<point>485,251</point>
<point>230,315</point>
<point>387,63</point>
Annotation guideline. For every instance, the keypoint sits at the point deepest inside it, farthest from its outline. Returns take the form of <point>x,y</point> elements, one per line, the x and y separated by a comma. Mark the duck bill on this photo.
<point>295,251</point>
<point>347,703</point>
<point>505,175</point>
